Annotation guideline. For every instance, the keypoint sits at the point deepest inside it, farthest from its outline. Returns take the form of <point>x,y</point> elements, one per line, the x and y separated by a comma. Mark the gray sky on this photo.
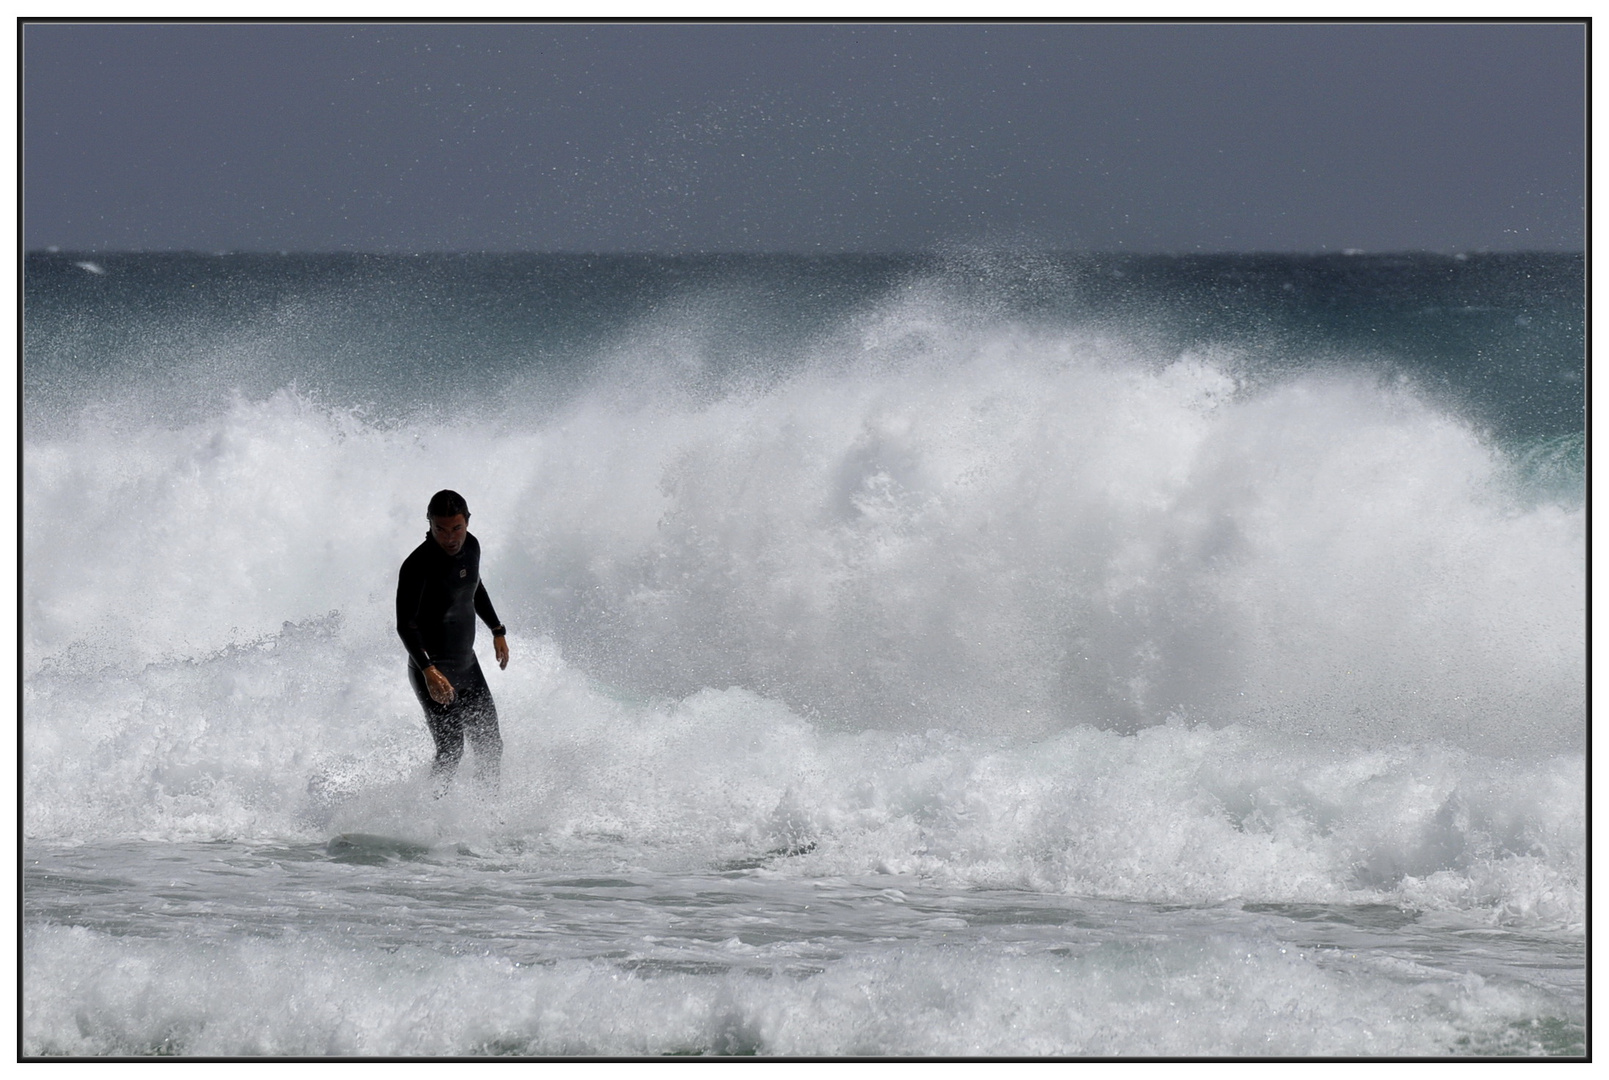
<point>1148,137</point>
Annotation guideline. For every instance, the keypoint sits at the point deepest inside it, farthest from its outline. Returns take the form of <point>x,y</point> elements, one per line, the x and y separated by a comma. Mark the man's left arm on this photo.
<point>483,608</point>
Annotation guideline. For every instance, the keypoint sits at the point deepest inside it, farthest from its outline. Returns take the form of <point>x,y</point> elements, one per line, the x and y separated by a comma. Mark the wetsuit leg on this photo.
<point>479,723</point>
<point>472,713</point>
<point>446,726</point>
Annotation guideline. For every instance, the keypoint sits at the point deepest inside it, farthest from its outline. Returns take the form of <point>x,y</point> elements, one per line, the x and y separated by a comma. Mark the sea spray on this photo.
<point>1010,539</point>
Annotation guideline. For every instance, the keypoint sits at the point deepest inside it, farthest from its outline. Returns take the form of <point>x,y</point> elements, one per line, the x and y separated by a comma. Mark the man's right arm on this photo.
<point>410,596</point>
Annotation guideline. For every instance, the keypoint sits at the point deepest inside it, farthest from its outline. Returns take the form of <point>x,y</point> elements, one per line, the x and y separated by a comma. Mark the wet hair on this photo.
<point>446,504</point>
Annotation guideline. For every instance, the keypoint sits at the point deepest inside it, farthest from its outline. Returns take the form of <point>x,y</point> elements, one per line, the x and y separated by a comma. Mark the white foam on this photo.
<point>988,606</point>
<point>89,993</point>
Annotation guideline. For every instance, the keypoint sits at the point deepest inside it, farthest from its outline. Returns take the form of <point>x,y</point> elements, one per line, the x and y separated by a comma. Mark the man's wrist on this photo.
<point>499,631</point>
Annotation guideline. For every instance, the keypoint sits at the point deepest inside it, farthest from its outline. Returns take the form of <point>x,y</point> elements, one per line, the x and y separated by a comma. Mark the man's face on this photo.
<point>449,532</point>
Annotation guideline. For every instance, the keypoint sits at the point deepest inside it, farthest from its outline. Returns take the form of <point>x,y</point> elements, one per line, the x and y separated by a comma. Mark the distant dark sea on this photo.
<point>977,654</point>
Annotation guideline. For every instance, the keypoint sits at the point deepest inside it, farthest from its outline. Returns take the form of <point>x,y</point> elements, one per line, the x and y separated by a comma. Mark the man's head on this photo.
<point>449,520</point>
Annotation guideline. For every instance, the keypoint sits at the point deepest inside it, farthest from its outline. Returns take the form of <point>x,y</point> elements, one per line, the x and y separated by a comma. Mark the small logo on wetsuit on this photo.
<point>464,572</point>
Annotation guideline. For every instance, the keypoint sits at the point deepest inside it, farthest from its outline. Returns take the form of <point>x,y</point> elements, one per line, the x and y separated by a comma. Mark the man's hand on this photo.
<point>500,647</point>
<point>441,691</point>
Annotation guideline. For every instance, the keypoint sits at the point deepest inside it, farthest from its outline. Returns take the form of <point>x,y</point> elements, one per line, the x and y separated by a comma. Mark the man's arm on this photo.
<point>483,608</point>
<point>410,594</point>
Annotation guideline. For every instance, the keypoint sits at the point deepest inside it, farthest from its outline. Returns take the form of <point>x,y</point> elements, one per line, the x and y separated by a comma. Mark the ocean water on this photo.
<point>973,654</point>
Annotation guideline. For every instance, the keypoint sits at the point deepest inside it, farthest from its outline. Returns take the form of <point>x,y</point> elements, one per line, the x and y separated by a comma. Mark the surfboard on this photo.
<point>373,849</point>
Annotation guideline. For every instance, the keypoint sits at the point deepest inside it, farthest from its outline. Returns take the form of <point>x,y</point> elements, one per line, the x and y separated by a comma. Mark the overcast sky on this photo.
<point>816,137</point>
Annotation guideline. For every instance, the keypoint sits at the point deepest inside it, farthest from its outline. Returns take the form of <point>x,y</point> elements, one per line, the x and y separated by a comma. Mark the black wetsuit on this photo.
<point>438,597</point>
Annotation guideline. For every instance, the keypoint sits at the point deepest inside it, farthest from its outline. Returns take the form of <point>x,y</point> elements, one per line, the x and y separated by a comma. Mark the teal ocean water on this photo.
<point>958,655</point>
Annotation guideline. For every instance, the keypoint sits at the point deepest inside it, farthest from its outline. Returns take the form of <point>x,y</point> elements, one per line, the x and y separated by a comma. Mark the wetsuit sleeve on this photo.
<point>483,607</point>
<point>410,593</point>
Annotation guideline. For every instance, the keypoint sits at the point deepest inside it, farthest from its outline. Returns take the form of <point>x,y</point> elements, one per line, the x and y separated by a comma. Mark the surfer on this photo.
<point>439,594</point>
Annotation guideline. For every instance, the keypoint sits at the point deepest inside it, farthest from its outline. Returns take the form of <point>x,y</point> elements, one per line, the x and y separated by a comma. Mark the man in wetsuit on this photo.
<point>439,593</point>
